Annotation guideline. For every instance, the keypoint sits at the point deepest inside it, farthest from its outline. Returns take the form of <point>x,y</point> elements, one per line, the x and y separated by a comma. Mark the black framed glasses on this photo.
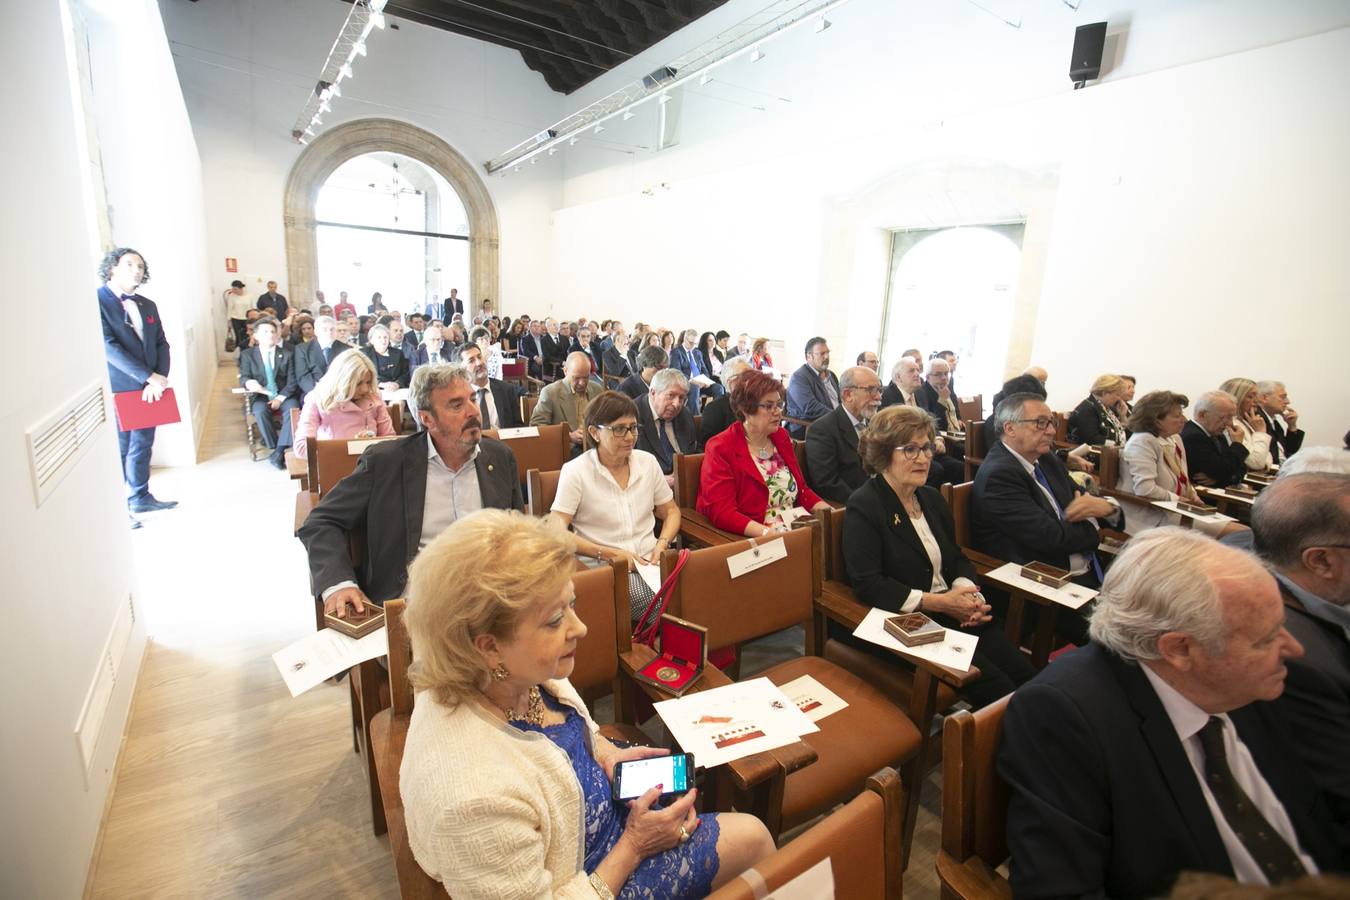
<point>911,452</point>
<point>620,431</point>
<point>1041,422</point>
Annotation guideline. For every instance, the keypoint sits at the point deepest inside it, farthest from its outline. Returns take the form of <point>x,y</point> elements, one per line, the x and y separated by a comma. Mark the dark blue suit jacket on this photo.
<point>807,398</point>
<point>132,360</point>
<point>1012,520</point>
<point>1104,802</point>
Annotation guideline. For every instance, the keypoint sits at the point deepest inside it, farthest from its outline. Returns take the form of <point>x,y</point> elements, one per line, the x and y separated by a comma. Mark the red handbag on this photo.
<point>644,632</point>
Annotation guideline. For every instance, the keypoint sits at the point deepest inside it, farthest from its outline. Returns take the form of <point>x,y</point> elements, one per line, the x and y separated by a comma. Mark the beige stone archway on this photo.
<point>343,142</point>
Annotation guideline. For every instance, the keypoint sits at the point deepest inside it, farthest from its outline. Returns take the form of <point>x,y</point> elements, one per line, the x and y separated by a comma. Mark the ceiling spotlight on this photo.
<point>822,23</point>
<point>358,49</point>
<point>316,120</point>
<point>334,90</point>
<point>572,142</point>
<point>757,55</point>
<point>377,19</point>
<point>309,131</point>
<point>345,71</point>
<point>377,5</point>
<point>599,128</point>
<point>663,99</point>
<point>301,140</point>
<point>533,160</point>
<point>552,150</point>
<point>517,169</point>
<point>627,114</point>
<point>324,107</point>
<point>704,79</point>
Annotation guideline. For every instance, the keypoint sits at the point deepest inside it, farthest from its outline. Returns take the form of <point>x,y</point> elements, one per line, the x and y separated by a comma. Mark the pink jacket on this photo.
<point>346,420</point>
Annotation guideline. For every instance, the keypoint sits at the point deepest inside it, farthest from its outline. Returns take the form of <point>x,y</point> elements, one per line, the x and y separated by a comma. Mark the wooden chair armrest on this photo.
<point>972,879</point>
<point>296,467</point>
<point>749,772</point>
<point>305,501</point>
<point>632,661</point>
<point>795,421</point>
<point>983,562</point>
<point>698,530</point>
<point>837,602</point>
<point>1126,496</point>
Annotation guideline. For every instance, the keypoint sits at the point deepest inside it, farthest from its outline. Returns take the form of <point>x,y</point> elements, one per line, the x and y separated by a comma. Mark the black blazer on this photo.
<point>251,366</point>
<point>833,469</point>
<point>507,399</point>
<point>1316,701</point>
<point>927,397</point>
<point>1204,457</point>
<point>1283,444</point>
<point>1104,802</point>
<point>555,348</point>
<point>1088,424</point>
<point>594,353</point>
<point>132,360</point>
<point>528,348</point>
<point>883,557</point>
<point>891,396</point>
<point>634,387</point>
<point>650,440</point>
<point>393,367</point>
<point>276,303</point>
<point>616,363</point>
<point>1011,518</point>
<point>423,355</point>
<point>309,364</point>
<point>717,418</point>
<point>384,497</point>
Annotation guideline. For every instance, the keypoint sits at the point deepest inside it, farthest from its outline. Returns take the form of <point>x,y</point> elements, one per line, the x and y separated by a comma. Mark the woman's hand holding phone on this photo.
<point>613,759</point>
<point>650,831</point>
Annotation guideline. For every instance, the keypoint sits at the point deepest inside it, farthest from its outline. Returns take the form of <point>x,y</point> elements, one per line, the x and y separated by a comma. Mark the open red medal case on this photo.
<point>683,652</point>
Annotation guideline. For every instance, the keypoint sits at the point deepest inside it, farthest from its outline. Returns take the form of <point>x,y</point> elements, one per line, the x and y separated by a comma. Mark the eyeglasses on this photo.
<point>1041,422</point>
<point>912,451</point>
<point>620,431</point>
<point>875,389</point>
<point>773,406</point>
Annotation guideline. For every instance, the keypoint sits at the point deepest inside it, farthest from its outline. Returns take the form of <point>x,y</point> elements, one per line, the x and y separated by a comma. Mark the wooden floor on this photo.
<point>227,786</point>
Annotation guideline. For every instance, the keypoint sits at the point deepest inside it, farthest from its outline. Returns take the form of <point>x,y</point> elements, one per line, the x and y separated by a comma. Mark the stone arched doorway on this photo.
<point>343,142</point>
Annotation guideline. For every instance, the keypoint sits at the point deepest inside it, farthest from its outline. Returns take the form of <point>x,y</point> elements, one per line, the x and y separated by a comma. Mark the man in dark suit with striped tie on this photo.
<point>138,360</point>
<point>665,424</point>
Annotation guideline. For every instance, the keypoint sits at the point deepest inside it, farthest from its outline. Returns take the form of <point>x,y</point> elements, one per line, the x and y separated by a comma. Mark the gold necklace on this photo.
<point>534,709</point>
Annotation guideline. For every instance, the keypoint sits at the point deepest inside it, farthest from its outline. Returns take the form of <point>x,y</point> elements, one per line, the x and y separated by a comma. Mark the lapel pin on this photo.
<point>897,518</point>
<point>489,467</point>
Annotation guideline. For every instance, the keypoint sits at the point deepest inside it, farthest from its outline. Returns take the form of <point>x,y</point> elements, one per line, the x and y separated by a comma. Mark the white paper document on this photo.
<point>813,698</point>
<point>757,557</point>
<point>506,434</point>
<point>651,575</point>
<point>701,380</point>
<point>356,448</point>
<point>737,720</point>
<point>1171,506</point>
<point>397,396</point>
<point>1074,596</point>
<point>954,652</point>
<point>816,883</point>
<point>325,653</point>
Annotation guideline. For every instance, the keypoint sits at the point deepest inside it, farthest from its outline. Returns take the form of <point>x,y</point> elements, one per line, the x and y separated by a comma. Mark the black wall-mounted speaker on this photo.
<point>1088,42</point>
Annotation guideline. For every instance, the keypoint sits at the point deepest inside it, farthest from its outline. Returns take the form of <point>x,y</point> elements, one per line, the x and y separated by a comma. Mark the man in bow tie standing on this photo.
<point>138,360</point>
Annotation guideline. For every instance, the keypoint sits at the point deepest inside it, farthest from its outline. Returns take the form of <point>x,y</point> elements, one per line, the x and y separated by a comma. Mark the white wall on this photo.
<point>246,69</point>
<point>1194,184</point>
<point>67,563</point>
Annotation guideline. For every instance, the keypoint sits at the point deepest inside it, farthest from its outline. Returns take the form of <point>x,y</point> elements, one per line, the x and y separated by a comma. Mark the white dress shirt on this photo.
<point>134,316</point>
<point>1078,562</point>
<point>606,514</point>
<point>451,494</point>
<point>494,418</point>
<point>1188,719</point>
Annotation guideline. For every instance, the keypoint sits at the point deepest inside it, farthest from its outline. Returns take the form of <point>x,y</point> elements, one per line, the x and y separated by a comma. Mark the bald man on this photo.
<point>565,400</point>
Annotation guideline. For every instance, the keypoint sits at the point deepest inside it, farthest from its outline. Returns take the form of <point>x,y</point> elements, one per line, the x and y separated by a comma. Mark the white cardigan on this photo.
<point>1145,472</point>
<point>492,811</point>
<point>1258,446</point>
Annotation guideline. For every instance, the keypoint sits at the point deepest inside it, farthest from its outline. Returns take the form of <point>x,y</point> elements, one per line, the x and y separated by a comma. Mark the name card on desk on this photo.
<point>356,448</point>
<point>239,391</point>
<point>1172,506</point>
<point>506,434</point>
<point>757,557</point>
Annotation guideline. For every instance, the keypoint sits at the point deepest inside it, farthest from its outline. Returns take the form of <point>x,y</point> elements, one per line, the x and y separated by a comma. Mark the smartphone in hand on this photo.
<point>634,777</point>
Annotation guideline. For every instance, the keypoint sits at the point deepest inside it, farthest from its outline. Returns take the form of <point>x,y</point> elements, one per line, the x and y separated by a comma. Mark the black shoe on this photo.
<point>278,461</point>
<point>135,523</point>
<point>150,504</point>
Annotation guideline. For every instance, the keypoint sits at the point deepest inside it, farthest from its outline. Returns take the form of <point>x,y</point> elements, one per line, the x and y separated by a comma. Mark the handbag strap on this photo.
<point>645,631</point>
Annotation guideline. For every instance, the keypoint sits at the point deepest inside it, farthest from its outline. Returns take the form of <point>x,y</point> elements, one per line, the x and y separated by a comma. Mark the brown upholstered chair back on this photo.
<point>975,444</point>
<point>1062,427</point>
<point>799,451</point>
<point>958,501</point>
<point>688,470</point>
<point>770,598</point>
<point>832,537</point>
<point>1108,468</point>
<point>527,404</point>
<point>547,452</point>
<point>974,798</point>
<point>540,489</point>
<point>861,840</point>
<point>400,655</point>
<point>332,463</point>
<point>970,407</point>
<point>602,603</point>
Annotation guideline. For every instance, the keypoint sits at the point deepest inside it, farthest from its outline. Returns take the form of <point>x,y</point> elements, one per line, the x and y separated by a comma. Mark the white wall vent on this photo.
<point>58,442</point>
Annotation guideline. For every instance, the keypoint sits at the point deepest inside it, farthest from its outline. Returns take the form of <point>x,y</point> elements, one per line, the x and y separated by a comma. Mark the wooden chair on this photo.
<point>540,489</point>
<point>799,451</point>
<point>975,446</point>
<point>396,416</point>
<point>921,688</point>
<point>250,428</point>
<point>974,807</point>
<point>327,462</point>
<point>296,468</point>
<point>852,743</point>
<point>527,404</point>
<point>602,603</point>
<point>546,452</point>
<point>695,527</point>
<point>612,382</point>
<point>861,840</point>
<point>970,407</point>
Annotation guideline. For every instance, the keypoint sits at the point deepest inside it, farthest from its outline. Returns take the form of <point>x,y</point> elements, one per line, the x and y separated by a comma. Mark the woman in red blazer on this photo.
<point>750,475</point>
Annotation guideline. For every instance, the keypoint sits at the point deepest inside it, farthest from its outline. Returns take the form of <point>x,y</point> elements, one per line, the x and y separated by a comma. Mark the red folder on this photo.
<point>133,412</point>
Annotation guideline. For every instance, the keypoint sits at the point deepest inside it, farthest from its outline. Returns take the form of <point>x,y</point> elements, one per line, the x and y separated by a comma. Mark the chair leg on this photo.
<point>913,772</point>
<point>356,714</point>
<point>368,691</point>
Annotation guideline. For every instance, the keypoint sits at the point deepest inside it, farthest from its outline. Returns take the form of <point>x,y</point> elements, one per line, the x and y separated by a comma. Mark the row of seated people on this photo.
<point>611,497</point>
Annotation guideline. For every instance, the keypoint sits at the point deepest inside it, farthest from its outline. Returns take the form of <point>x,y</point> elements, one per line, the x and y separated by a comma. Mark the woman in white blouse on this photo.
<point>1254,435</point>
<point>612,494</point>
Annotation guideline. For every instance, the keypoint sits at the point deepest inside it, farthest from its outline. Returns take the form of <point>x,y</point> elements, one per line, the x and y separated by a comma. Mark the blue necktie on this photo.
<point>1091,555</point>
<point>271,376</point>
<point>327,356</point>
<point>668,450</point>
